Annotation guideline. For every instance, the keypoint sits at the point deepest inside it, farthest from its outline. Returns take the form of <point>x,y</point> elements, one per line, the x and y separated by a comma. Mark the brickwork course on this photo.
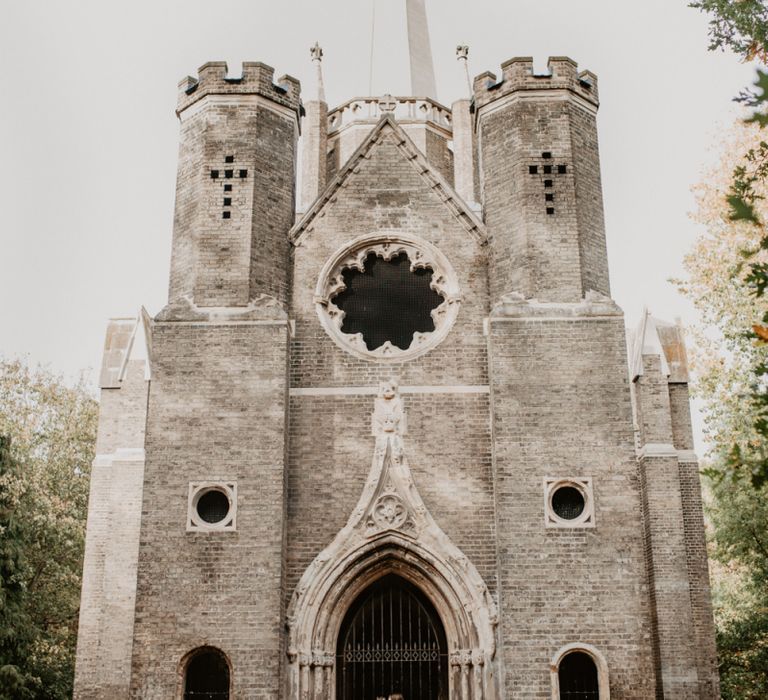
<point>249,381</point>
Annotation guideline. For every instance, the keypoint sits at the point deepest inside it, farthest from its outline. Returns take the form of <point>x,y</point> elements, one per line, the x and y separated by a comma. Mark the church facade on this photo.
<point>394,446</point>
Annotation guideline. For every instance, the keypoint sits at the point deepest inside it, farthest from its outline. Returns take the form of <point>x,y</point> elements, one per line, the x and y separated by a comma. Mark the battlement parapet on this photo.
<point>257,79</point>
<point>518,75</point>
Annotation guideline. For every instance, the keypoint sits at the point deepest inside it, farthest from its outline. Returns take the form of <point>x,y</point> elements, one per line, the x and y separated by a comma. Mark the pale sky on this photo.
<point>88,135</point>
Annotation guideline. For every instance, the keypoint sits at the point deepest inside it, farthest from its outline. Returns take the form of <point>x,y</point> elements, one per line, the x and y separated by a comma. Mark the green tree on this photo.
<point>44,482</point>
<point>739,516</point>
<point>742,27</point>
<point>14,620</point>
<point>726,361</point>
<point>738,25</point>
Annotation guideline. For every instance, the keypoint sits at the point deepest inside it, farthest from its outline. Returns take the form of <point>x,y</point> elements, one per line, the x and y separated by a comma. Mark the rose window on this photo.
<point>387,301</point>
<point>386,297</point>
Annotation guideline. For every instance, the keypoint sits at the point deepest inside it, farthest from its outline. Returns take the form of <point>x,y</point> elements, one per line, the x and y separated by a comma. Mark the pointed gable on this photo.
<point>389,135</point>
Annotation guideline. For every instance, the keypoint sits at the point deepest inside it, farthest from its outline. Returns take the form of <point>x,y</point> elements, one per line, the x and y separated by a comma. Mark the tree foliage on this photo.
<point>738,25</point>
<point>740,519</point>
<point>742,26</point>
<point>726,359</point>
<point>48,433</point>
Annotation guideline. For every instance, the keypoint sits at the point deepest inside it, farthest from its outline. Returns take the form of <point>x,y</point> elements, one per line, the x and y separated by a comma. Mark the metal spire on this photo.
<point>420,49</point>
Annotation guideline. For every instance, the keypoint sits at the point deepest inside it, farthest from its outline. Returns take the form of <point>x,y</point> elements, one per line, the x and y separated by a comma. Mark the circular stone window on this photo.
<point>387,296</point>
<point>212,506</point>
<point>568,502</point>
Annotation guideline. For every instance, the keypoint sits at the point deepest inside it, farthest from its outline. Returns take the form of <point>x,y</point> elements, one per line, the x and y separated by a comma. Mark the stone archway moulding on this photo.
<point>391,531</point>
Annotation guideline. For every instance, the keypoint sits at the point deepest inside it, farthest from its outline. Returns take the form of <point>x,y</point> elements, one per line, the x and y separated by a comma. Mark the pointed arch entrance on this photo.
<point>330,590</point>
<point>390,538</point>
<point>392,643</point>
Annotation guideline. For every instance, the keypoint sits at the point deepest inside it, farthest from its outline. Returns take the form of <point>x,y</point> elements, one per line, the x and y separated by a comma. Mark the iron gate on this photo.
<point>392,643</point>
<point>578,677</point>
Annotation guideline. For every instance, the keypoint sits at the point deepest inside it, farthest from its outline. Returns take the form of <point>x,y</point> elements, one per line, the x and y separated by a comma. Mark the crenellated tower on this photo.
<point>540,180</point>
<point>235,188</point>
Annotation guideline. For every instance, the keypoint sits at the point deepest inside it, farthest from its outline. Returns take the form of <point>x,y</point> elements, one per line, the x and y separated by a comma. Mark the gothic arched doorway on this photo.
<point>206,676</point>
<point>392,643</point>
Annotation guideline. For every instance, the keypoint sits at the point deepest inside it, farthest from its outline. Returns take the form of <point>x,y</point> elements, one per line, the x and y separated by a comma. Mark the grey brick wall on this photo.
<point>561,408</point>
<point>448,443</point>
<point>217,410</point>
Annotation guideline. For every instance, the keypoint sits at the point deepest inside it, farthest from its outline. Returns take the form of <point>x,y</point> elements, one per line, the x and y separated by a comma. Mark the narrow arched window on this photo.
<point>207,676</point>
<point>578,678</point>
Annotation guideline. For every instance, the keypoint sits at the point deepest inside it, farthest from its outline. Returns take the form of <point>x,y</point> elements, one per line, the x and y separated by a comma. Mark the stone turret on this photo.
<point>233,212</point>
<point>540,179</point>
<point>315,147</point>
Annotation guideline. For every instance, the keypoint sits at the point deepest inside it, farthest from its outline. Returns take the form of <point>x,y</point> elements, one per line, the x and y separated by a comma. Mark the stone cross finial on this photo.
<point>316,52</point>
<point>387,103</point>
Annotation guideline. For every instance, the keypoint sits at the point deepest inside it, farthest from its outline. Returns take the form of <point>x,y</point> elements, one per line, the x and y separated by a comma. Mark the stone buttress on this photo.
<point>105,634</point>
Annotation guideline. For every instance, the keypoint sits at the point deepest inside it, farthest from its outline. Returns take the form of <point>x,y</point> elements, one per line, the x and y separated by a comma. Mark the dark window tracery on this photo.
<point>387,301</point>
<point>568,502</point>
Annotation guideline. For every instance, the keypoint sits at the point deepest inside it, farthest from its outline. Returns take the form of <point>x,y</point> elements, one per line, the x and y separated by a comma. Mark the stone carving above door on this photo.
<point>391,531</point>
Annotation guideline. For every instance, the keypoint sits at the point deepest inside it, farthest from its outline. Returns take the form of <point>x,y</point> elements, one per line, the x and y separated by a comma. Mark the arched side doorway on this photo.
<point>392,643</point>
<point>206,675</point>
<point>580,672</point>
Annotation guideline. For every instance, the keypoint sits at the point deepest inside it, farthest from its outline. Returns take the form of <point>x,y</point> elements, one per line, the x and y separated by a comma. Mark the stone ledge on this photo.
<point>262,308</point>
<point>516,306</point>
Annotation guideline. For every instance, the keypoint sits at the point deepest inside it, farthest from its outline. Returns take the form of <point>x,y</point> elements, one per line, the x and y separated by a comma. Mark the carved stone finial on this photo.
<point>387,104</point>
<point>462,55</point>
<point>317,58</point>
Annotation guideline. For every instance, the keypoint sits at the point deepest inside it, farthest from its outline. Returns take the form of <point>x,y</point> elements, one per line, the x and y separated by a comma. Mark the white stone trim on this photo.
<point>387,244</point>
<point>583,484</point>
<point>603,680</point>
<point>547,95</point>
<point>372,390</point>
<point>238,100</point>
<point>197,489</point>
<point>122,454</point>
<point>657,449</point>
<point>687,456</point>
